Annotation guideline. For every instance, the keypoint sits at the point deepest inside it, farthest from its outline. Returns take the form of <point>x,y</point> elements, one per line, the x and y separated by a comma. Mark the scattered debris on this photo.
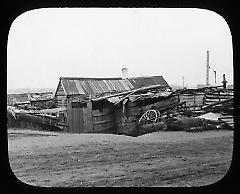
<point>135,112</point>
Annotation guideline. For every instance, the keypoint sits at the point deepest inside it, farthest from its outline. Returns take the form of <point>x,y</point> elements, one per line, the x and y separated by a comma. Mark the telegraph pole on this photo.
<point>207,72</point>
<point>183,81</point>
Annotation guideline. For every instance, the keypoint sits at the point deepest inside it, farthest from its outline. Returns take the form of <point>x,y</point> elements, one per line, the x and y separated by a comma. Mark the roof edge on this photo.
<point>106,78</point>
<point>89,78</point>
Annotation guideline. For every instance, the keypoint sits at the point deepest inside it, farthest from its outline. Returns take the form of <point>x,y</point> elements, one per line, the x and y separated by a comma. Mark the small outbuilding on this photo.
<point>93,105</point>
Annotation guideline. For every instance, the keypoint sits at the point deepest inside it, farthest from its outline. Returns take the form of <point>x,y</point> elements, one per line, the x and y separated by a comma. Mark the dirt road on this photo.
<point>156,159</point>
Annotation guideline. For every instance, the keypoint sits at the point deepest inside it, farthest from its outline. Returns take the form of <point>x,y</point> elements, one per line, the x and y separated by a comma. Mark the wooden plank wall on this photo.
<point>80,118</point>
<point>60,96</point>
<point>69,117</point>
<point>76,118</point>
<point>103,120</point>
<point>77,124</point>
<point>89,118</point>
<point>33,122</point>
<point>192,100</point>
<point>218,96</point>
<point>127,122</point>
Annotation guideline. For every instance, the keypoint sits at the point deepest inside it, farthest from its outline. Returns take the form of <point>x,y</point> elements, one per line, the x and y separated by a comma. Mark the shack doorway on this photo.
<point>77,117</point>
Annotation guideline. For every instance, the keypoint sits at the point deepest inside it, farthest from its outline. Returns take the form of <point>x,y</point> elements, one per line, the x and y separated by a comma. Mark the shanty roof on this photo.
<point>139,82</point>
<point>96,86</point>
<point>17,98</point>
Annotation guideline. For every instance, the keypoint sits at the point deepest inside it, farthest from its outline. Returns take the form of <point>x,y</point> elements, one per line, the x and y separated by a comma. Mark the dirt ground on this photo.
<point>162,158</point>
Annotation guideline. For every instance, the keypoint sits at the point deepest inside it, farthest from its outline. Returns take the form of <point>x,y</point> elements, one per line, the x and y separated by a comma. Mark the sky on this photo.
<point>48,43</point>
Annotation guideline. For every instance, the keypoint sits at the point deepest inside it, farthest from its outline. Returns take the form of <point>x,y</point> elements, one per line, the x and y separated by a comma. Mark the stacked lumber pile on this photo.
<point>228,120</point>
<point>217,96</point>
<point>219,102</point>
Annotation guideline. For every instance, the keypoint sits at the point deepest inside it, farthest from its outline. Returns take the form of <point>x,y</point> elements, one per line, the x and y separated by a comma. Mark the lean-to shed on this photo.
<point>86,115</point>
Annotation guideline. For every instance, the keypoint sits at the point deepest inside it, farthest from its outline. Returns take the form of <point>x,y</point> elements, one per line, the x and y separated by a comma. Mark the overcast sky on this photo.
<point>45,44</point>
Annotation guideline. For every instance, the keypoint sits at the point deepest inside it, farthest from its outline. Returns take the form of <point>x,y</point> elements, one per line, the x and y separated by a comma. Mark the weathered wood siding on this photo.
<point>103,120</point>
<point>217,96</point>
<point>80,118</point>
<point>192,100</point>
<point>127,120</point>
<point>75,118</point>
<point>60,96</point>
<point>28,121</point>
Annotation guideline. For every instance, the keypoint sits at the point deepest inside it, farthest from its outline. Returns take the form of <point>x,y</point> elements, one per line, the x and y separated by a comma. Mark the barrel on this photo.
<point>103,120</point>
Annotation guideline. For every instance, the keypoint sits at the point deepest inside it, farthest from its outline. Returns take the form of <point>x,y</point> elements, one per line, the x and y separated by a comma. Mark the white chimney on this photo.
<point>124,73</point>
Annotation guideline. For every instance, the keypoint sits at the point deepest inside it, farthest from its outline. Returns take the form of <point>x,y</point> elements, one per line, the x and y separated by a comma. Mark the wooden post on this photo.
<point>114,121</point>
<point>69,117</point>
<point>85,120</point>
<point>89,117</point>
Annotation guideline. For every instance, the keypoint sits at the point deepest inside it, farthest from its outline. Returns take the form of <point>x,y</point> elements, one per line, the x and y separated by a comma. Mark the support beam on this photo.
<point>89,117</point>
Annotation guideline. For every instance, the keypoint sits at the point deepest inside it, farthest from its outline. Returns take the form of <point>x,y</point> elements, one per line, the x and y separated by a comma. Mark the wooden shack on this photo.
<point>88,109</point>
<point>128,113</point>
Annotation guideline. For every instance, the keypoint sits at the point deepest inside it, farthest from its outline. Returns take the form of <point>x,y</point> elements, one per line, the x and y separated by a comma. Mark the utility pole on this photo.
<point>207,72</point>
<point>183,81</point>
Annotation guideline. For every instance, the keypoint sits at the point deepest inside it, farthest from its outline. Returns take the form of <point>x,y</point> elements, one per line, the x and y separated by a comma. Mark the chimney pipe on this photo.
<point>215,76</point>
<point>124,73</point>
<point>224,82</point>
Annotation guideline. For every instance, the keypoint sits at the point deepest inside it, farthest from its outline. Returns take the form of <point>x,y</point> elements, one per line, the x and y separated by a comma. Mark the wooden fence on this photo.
<point>27,121</point>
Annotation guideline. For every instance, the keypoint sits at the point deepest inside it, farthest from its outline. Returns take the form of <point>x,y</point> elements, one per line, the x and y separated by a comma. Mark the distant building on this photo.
<point>27,98</point>
<point>17,99</point>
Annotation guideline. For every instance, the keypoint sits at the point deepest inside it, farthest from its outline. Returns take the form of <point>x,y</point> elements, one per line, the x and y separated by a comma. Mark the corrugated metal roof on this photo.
<point>99,86</point>
<point>139,82</point>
